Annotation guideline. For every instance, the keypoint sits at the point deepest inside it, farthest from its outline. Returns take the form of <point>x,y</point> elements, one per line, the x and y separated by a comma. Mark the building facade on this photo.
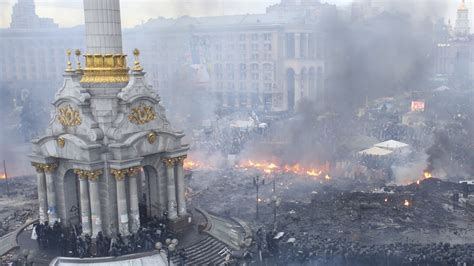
<point>264,61</point>
<point>455,50</point>
<point>109,146</point>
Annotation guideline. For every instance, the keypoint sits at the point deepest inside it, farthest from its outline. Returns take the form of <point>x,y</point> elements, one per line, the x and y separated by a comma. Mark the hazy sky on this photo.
<point>69,12</point>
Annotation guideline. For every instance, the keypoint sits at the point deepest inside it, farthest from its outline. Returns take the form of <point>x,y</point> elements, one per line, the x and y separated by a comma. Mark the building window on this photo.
<point>254,67</point>
<point>242,37</point>
<point>220,86</point>
<point>267,36</point>
<point>267,76</point>
<point>242,86</point>
<point>254,56</point>
<point>254,37</point>
<point>255,76</point>
<point>230,86</point>
<point>254,47</point>
<point>243,47</point>
<point>230,67</point>
<point>243,67</point>
<point>243,99</point>
<point>255,86</point>
<point>243,76</point>
<point>267,67</point>
<point>267,47</point>
<point>230,76</point>
<point>267,87</point>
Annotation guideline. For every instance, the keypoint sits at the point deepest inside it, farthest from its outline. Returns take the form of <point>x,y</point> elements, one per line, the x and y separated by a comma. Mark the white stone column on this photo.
<point>103,26</point>
<point>172,213</point>
<point>50,170</point>
<point>134,214</point>
<point>85,203</point>
<point>43,202</point>
<point>306,45</point>
<point>122,209</point>
<point>180,186</point>
<point>297,45</point>
<point>297,89</point>
<point>96,214</point>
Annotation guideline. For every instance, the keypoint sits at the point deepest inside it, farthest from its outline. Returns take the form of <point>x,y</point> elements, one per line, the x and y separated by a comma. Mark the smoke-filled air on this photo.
<point>276,132</point>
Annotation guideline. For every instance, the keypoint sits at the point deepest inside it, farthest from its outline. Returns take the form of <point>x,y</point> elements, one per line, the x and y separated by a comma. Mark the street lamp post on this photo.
<point>276,203</point>
<point>170,247</point>
<point>256,183</point>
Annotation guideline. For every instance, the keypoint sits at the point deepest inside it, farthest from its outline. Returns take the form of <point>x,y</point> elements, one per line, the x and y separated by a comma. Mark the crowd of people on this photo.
<point>71,242</point>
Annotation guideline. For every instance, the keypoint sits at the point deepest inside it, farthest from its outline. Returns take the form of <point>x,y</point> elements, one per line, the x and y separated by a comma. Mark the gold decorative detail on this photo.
<point>86,174</point>
<point>133,171</point>
<point>151,137</point>
<point>136,64</point>
<point>39,167</point>
<point>119,173</point>
<point>94,175</point>
<point>78,54</point>
<point>180,159</point>
<point>61,142</point>
<point>169,162</point>
<point>68,117</point>
<point>105,69</point>
<point>49,168</point>
<point>69,65</point>
<point>142,114</point>
<point>82,174</point>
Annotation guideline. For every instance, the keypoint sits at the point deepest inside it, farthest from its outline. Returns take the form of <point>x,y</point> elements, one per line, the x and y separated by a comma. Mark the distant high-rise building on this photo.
<point>462,21</point>
<point>454,60</point>
<point>267,61</point>
<point>24,17</point>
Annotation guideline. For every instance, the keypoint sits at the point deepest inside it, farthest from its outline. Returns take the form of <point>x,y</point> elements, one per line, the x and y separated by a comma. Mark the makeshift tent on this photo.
<point>391,145</point>
<point>376,151</point>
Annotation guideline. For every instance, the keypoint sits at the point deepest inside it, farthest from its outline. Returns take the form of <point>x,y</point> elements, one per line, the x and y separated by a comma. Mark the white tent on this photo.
<point>391,145</point>
<point>376,151</point>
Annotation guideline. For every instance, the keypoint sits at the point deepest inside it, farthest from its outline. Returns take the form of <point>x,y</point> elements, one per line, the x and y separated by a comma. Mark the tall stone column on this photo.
<point>49,170</point>
<point>43,202</point>
<point>172,213</point>
<point>134,214</point>
<point>96,214</point>
<point>85,204</point>
<point>180,187</point>
<point>297,89</point>
<point>297,45</point>
<point>122,210</point>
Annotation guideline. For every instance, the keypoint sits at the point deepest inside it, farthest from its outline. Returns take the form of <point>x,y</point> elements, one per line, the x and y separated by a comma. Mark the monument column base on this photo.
<point>180,224</point>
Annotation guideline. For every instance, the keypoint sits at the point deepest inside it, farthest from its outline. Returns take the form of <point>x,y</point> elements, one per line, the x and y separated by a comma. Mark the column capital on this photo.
<point>51,167</point>
<point>119,174</point>
<point>39,167</point>
<point>82,174</point>
<point>169,162</point>
<point>180,159</point>
<point>133,171</point>
<point>92,175</point>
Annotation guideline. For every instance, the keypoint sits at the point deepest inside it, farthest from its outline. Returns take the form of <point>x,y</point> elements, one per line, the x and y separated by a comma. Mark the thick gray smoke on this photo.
<point>386,55</point>
<point>452,152</point>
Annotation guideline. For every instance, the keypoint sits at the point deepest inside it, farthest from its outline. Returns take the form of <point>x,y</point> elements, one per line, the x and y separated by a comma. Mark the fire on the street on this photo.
<point>273,167</point>
<point>406,203</point>
<point>427,174</point>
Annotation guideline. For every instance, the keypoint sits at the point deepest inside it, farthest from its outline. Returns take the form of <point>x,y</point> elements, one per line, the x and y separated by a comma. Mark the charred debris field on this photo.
<point>337,221</point>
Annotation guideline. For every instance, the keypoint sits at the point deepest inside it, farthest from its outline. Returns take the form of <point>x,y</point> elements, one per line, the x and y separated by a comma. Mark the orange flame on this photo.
<point>427,174</point>
<point>273,167</point>
<point>406,203</point>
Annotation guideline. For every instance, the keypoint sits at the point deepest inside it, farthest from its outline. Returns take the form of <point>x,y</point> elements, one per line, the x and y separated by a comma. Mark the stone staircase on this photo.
<point>208,251</point>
